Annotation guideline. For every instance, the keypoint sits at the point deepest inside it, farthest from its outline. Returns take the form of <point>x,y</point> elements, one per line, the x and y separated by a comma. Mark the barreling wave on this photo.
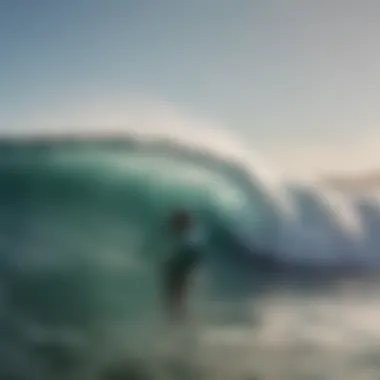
<point>138,182</point>
<point>75,214</point>
<point>142,180</point>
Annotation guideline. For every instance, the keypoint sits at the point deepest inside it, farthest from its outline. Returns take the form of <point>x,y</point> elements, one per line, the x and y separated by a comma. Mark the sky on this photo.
<point>297,81</point>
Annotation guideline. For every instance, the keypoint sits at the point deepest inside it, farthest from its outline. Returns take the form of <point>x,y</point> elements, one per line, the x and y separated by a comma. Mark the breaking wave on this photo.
<point>75,214</point>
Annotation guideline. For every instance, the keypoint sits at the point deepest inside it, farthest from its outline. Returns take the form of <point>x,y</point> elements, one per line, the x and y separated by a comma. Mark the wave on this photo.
<point>141,180</point>
<point>75,214</point>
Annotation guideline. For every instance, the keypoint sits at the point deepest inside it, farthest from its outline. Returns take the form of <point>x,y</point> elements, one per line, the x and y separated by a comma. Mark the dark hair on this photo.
<point>181,219</point>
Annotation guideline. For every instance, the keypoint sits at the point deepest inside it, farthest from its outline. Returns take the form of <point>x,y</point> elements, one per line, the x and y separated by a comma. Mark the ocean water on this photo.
<point>287,290</point>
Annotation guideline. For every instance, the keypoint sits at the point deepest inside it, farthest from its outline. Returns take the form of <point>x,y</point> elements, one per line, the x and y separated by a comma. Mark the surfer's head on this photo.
<point>181,221</point>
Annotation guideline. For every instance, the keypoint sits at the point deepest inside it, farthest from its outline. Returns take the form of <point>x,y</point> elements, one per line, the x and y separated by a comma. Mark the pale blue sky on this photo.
<point>299,79</point>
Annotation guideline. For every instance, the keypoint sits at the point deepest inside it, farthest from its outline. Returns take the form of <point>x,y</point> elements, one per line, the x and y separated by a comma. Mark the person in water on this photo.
<point>179,268</point>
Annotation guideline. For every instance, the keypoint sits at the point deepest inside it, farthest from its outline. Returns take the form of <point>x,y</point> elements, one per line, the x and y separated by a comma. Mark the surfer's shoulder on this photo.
<point>197,236</point>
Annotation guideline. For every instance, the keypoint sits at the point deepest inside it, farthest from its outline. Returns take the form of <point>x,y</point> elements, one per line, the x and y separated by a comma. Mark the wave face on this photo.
<point>75,215</point>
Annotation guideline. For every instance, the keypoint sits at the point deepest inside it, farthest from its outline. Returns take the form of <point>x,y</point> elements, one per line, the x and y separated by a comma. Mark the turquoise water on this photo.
<point>80,300</point>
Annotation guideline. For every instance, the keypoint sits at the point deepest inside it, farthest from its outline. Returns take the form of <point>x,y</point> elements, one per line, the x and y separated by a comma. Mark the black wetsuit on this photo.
<point>177,274</point>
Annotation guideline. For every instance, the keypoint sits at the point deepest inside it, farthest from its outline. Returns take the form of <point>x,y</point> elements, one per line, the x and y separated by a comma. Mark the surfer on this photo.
<point>179,267</point>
